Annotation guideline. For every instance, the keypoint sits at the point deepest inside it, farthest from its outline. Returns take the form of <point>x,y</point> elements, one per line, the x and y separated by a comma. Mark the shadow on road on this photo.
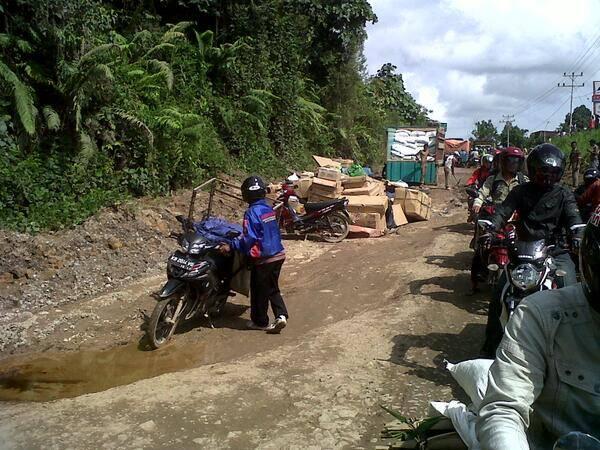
<point>459,261</point>
<point>453,347</point>
<point>460,228</point>
<point>454,289</point>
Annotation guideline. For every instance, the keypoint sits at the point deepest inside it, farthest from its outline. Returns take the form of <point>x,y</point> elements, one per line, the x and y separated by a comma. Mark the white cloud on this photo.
<point>478,59</point>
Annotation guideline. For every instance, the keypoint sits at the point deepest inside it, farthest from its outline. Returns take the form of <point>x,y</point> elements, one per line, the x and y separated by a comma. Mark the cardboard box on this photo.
<point>326,162</point>
<point>369,220</point>
<point>416,204</point>
<point>302,187</point>
<point>399,216</point>
<point>364,232</point>
<point>367,204</point>
<point>357,191</point>
<point>344,162</point>
<point>353,182</point>
<point>323,183</point>
<point>315,197</point>
<point>328,173</point>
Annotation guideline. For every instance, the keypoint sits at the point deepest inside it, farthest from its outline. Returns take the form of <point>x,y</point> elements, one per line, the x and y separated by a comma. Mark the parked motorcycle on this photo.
<point>330,219</point>
<point>198,284</point>
<point>530,267</point>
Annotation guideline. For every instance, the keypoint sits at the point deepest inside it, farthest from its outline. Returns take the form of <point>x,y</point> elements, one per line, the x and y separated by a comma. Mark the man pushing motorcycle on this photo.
<point>261,243</point>
<point>547,210</point>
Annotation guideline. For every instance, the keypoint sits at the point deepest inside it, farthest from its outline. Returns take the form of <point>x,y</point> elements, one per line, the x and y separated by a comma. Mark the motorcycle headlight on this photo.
<point>196,248</point>
<point>525,276</point>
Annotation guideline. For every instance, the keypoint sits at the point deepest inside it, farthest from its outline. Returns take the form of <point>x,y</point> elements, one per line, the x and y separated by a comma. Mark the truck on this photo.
<point>403,153</point>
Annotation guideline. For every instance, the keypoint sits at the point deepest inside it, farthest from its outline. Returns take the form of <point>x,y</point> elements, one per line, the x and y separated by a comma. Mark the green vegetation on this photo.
<point>583,143</point>
<point>102,99</point>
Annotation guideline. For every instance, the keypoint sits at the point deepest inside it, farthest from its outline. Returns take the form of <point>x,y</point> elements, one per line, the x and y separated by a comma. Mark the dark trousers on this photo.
<point>264,288</point>
<point>493,329</point>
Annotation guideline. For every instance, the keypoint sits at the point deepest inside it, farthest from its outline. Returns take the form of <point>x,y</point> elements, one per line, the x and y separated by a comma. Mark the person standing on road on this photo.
<point>594,154</point>
<point>547,210</point>
<point>261,243</point>
<point>574,163</point>
<point>424,155</point>
<point>448,168</point>
<point>545,380</point>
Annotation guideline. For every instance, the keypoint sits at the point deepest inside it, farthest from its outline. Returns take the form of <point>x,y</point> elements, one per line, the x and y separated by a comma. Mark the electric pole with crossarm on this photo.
<point>572,76</point>
<point>508,118</point>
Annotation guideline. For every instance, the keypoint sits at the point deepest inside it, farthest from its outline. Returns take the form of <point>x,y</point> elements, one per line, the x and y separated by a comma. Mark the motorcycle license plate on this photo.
<point>182,263</point>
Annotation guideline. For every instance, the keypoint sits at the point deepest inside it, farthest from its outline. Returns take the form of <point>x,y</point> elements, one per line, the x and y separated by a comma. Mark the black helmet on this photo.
<point>546,165</point>
<point>253,188</point>
<point>589,259</point>
<point>591,175</point>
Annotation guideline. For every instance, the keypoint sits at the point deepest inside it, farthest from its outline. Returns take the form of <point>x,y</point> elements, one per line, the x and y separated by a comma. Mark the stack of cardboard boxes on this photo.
<point>367,199</point>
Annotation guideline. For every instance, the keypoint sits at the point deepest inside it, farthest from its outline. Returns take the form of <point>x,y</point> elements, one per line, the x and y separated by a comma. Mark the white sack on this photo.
<point>472,376</point>
<point>463,420</point>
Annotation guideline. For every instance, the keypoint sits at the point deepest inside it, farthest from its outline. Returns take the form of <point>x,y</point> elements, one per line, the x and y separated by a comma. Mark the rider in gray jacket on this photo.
<point>545,380</point>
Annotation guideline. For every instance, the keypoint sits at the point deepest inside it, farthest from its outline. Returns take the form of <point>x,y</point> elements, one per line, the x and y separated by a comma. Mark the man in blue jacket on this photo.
<point>261,242</point>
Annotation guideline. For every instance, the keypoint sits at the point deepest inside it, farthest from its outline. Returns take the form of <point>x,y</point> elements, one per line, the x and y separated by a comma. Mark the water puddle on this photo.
<point>54,375</point>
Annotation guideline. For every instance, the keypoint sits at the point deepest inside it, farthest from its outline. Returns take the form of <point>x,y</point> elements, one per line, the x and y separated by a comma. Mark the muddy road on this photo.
<point>371,322</point>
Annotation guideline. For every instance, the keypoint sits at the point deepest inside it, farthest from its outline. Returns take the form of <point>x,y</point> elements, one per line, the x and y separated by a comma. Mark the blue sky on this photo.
<point>479,59</point>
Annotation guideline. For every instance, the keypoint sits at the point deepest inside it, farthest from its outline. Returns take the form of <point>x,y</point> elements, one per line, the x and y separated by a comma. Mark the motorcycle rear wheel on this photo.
<point>337,229</point>
<point>160,328</point>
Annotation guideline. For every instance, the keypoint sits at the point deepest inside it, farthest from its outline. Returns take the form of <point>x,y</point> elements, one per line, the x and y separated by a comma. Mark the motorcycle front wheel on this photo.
<point>336,228</point>
<point>162,325</point>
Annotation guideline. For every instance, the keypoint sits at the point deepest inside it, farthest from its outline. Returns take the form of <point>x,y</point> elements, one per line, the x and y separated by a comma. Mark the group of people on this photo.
<point>545,380</point>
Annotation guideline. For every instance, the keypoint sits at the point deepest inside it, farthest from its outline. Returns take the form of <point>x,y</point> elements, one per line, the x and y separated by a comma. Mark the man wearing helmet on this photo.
<point>545,380</point>
<point>546,210</point>
<point>261,242</point>
<point>498,186</point>
<point>481,173</point>
<point>590,199</point>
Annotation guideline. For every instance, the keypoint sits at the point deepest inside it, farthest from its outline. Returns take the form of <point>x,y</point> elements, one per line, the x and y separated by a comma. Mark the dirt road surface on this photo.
<point>371,322</point>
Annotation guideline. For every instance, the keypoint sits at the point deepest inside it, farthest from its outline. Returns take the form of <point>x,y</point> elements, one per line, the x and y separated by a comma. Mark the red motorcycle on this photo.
<point>492,247</point>
<point>330,219</point>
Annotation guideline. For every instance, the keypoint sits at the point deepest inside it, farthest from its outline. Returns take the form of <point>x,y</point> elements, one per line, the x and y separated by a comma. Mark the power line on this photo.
<point>595,42</point>
<point>547,119</point>
<point>572,76</point>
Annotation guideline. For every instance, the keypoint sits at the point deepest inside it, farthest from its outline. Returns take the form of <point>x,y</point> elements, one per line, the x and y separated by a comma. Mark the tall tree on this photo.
<point>517,136</point>
<point>581,119</point>
<point>485,130</point>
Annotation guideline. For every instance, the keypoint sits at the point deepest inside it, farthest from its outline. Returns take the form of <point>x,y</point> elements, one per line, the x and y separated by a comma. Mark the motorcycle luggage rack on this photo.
<point>216,186</point>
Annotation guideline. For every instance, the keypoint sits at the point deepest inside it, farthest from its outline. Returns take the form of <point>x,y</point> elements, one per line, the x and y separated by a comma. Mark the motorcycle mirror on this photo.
<point>576,440</point>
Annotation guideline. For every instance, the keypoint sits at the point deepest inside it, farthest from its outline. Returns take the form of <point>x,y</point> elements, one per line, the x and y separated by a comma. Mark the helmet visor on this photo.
<point>547,176</point>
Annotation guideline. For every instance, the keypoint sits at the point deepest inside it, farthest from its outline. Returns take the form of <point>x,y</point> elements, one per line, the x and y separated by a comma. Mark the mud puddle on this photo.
<point>53,375</point>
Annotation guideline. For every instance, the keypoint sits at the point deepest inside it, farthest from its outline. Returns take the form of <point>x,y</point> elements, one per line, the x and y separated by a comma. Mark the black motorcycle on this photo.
<point>198,283</point>
<point>531,268</point>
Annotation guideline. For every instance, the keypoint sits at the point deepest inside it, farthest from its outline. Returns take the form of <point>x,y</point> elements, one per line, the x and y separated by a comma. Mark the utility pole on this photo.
<point>572,77</point>
<point>508,118</point>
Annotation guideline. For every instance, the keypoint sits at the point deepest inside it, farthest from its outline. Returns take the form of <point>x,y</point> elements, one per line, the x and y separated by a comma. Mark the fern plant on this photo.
<point>22,98</point>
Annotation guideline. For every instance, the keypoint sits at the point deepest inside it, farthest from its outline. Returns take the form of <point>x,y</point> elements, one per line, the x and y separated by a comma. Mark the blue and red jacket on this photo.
<point>261,238</point>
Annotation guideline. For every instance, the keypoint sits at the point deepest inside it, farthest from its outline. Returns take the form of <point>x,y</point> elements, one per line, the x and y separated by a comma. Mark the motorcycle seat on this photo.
<point>309,207</point>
